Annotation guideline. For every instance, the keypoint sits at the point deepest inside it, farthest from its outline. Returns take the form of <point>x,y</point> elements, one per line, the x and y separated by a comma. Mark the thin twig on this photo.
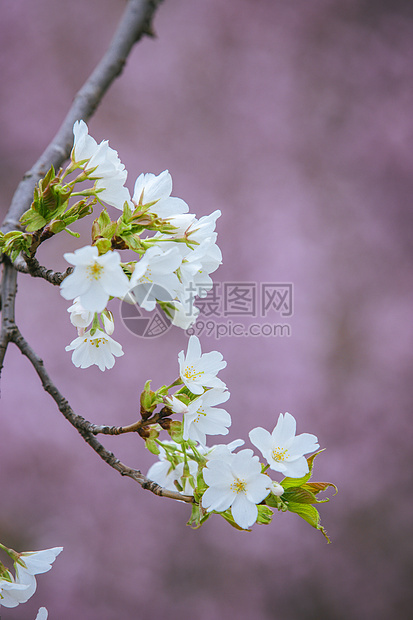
<point>36,270</point>
<point>84,427</point>
<point>131,428</point>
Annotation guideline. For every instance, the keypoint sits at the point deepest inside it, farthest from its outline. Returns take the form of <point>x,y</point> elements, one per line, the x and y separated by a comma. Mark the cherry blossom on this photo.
<point>200,370</point>
<point>236,483</point>
<point>283,450</point>
<point>99,349</point>
<point>203,418</point>
<point>95,278</point>
<point>155,191</point>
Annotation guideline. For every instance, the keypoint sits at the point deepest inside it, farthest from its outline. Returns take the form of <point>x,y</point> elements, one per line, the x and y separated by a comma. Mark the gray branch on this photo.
<point>85,428</point>
<point>30,265</point>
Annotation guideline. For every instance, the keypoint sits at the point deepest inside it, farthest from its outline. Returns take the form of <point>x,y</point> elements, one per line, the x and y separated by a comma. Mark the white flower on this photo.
<point>182,222</point>
<point>165,474</point>
<point>102,163</point>
<point>42,614</point>
<point>99,349</point>
<point>154,277</point>
<point>113,191</point>
<point>203,418</point>
<point>176,405</point>
<point>198,264</point>
<point>184,313</point>
<point>161,472</point>
<point>79,317</point>
<point>235,482</point>
<point>198,371</point>
<point>12,593</point>
<point>283,450</point>
<point>29,564</point>
<point>38,562</point>
<point>35,563</point>
<point>95,278</point>
<point>221,451</point>
<point>157,189</point>
<point>204,228</point>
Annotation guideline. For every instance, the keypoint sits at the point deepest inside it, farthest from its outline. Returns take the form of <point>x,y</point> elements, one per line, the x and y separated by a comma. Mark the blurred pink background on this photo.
<point>295,119</point>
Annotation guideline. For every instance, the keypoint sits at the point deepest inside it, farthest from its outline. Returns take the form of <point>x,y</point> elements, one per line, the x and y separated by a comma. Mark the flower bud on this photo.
<point>276,488</point>
<point>108,322</point>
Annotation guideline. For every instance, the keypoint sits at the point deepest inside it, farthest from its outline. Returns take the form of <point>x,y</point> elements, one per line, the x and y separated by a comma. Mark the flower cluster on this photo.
<point>173,256</point>
<point>174,261</point>
<point>18,589</point>
<point>222,480</point>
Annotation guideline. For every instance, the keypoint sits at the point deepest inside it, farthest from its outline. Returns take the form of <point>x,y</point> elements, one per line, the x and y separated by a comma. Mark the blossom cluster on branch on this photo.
<point>175,259</point>
<point>173,254</point>
<point>221,480</point>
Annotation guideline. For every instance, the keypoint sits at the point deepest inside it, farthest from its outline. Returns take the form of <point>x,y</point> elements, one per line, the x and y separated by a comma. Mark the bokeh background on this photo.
<point>295,119</point>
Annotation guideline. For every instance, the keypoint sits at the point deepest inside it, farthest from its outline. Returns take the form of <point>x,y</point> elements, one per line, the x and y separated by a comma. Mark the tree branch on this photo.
<point>85,428</point>
<point>7,299</point>
<point>136,427</point>
<point>31,265</point>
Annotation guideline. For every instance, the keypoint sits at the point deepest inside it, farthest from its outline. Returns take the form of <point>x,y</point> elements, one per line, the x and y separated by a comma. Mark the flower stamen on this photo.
<point>238,486</point>
<point>94,271</point>
<point>279,454</point>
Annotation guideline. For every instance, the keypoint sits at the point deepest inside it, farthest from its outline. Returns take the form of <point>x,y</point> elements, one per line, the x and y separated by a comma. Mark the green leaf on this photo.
<point>32,220</point>
<point>265,514</point>
<point>132,241</point>
<point>316,487</point>
<point>273,501</point>
<point>77,212</point>
<point>228,517</point>
<point>56,226</point>
<point>298,482</point>
<point>103,245</point>
<point>176,431</point>
<point>127,213</point>
<point>15,242</point>
<point>299,495</point>
<point>152,446</point>
<point>309,514</point>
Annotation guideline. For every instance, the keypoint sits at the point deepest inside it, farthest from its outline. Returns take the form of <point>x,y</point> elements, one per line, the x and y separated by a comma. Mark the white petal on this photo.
<point>194,348</point>
<point>303,444</point>
<point>258,488</point>
<point>261,439</point>
<point>296,469</point>
<point>244,512</point>
<point>285,429</point>
<point>217,499</point>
